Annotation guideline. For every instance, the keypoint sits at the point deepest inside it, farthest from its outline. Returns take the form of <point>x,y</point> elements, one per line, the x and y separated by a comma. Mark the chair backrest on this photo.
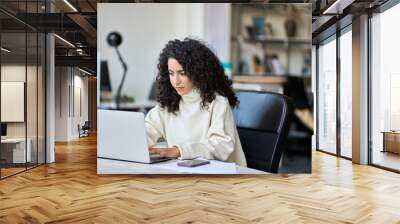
<point>86,125</point>
<point>153,91</point>
<point>263,120</point>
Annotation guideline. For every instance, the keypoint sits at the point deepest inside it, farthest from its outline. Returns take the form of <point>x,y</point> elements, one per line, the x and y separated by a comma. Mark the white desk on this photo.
<point>137,105</point>
<point>18,150</point>
<point>107,166</point>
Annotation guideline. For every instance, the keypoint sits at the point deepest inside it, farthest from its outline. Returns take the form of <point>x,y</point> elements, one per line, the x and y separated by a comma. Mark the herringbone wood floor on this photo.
<point>70,191</point>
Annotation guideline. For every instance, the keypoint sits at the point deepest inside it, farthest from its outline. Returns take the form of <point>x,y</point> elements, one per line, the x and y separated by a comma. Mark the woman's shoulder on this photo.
<point>221,101</point>
<point>221,105</point>
<point>160,111</point>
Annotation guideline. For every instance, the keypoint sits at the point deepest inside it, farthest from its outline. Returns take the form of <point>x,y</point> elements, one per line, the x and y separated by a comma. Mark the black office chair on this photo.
<point>263,120</point>
<point>84,130</point>
<point>153,91</point>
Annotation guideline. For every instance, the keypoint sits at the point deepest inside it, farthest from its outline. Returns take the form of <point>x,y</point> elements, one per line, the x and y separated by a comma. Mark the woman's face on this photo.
<point>178,78</point>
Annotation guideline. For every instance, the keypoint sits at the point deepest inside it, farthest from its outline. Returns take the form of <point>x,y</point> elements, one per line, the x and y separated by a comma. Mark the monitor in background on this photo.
<point>3,129</point>
<point>105,84</point>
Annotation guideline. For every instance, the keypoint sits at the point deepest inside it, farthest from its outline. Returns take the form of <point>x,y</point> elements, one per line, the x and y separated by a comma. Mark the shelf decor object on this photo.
<point>391,141</point>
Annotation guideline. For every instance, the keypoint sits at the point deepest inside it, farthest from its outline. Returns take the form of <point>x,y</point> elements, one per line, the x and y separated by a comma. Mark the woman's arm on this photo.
<point>154,126</point>
<point>220,140</point>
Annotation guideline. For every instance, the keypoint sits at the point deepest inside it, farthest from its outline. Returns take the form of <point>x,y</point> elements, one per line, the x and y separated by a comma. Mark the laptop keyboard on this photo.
<point>156,156</point>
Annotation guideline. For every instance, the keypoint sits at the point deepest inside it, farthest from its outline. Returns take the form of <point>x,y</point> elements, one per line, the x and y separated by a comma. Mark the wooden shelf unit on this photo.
<point>257,79</point>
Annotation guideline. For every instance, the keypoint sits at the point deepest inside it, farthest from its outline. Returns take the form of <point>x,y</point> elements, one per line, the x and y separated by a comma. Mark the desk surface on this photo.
<point>391,132</point>
<point>13,140</point>
<point>107,166</point>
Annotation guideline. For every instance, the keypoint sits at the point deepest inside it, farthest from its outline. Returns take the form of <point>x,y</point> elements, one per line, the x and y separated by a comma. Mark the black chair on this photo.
<point>84,130</point>
<point>263,120</point>
<point>153,91</point>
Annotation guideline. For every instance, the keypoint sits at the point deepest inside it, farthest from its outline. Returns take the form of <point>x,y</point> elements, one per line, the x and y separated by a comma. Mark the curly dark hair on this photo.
<point>203,68</point>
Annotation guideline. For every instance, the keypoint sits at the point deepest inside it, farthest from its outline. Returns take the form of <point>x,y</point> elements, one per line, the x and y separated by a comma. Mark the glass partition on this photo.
<point>35,50</point>
<point>32,95</point>
<point>327,96</point>
<point>22,77</point>
<point>385,89</point>
<point>346,93</point>
<point>13,108</point>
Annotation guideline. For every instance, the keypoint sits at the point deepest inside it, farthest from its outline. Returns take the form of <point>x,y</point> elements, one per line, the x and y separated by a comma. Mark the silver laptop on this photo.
<point>121,135</point>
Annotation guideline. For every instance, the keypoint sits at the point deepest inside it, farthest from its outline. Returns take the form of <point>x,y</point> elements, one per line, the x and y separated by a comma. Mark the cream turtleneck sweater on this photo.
<point>209,133</point>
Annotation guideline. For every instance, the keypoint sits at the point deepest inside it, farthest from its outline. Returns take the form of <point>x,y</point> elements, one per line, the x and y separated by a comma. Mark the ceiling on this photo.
<point>332,15</point>
<point>76,22</point>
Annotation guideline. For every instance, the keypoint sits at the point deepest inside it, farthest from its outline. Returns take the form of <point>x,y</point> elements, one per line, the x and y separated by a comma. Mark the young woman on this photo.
<point>194,106</point>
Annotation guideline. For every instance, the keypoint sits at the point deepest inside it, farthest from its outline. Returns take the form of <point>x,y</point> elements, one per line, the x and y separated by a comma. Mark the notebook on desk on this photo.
<point>121,136</point>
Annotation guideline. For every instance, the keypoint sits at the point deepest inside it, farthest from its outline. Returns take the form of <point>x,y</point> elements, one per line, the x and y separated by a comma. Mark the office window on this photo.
<point>327,96</point>
<point>385,89</point>
<point>346,93</point>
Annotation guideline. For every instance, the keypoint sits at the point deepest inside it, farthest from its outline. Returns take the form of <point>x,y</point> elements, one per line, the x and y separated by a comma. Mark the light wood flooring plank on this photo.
<point>70,191</point>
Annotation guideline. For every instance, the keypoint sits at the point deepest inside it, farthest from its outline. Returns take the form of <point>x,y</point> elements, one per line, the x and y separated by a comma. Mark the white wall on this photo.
<point>12,101</point>
<point>16,72</point>
<point>80,94</point>
<point>70,84</point>
<point>146,28</point>
<point>61,103</point>
<point>33,125</point>
<point>217,32</point>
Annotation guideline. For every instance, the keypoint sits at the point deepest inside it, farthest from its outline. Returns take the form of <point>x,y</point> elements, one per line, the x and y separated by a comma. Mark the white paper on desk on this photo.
<point>215,167</point>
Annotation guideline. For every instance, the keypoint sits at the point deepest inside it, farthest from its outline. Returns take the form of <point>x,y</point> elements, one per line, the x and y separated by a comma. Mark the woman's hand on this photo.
<point>166,152</point>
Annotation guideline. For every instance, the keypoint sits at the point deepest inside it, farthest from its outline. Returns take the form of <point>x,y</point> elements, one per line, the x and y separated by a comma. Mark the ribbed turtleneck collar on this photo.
<point>192,96</point>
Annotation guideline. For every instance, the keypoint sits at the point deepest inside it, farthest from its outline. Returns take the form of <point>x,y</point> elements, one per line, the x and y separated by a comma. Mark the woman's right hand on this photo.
<point>153,150</point>
<point>166,152</point>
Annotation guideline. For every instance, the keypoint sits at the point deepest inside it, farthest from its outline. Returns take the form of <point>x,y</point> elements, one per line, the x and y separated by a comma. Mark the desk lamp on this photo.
<point>114,39</point>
